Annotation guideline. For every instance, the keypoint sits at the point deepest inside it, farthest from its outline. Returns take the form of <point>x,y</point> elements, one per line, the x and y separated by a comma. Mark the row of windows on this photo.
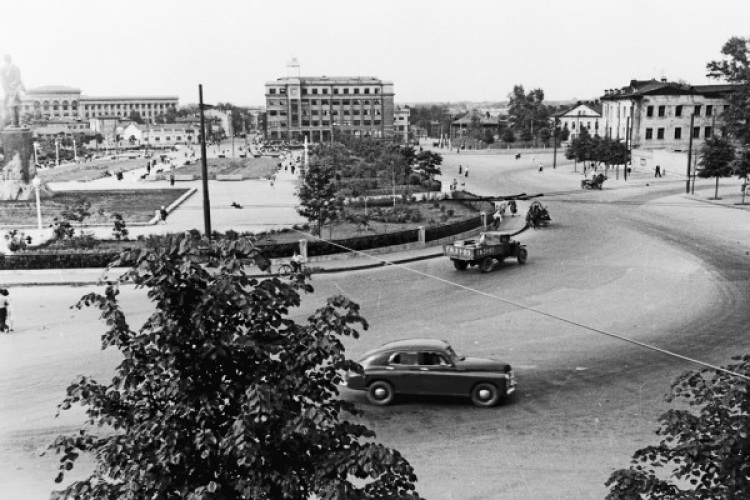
<point>74,105</point>
<point>327,123</point>
<point>326,102</point>
<point>324,90</point>
<point>707,131</point>
<point>168,138</point>
<point>678,109</point>
<point>325,112</point>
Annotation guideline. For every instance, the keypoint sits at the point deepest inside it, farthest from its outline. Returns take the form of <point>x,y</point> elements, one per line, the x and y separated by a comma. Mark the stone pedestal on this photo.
<point>18,168</point>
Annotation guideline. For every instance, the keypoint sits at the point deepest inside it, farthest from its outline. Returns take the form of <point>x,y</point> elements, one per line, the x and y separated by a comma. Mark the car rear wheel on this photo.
<point>486,265</point>
<point>380,393</point>
<point>485,394</point>
<point>460,264</point>
<point>523,254</point>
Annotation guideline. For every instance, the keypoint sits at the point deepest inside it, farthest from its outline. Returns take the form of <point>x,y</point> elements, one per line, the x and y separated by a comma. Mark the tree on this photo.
<point>136,117</point>
<point>707,448</point>
<point>564,134</point>
<point>509,136</point>
<point>429,165</point>
<point>99,139</point>
<point>717,154</point>
<point>318,199</point>
<point>221,394</point>
<point>735,69</point>
<point>741,166</point>
<point>527,111</point>
<point>580,148</point>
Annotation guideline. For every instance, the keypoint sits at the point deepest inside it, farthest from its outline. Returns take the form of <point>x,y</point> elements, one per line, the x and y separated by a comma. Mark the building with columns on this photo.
<point>321,107</point>
<point>62,102</point>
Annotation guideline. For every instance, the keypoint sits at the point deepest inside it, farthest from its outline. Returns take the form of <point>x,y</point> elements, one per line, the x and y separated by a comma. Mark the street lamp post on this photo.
<point>57,152</point>
<point>36,182</point>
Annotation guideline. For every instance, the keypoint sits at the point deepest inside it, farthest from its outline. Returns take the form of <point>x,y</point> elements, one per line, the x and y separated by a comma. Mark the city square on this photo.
<point>254,234</point>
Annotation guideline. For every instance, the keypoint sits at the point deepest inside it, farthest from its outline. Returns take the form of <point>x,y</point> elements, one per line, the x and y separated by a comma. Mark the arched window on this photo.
<point>65,105</point>
<point>55,105</point>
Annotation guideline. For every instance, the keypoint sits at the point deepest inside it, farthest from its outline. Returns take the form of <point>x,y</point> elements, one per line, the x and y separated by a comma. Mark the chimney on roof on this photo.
<point>663,80</point>
<point>606,91</point>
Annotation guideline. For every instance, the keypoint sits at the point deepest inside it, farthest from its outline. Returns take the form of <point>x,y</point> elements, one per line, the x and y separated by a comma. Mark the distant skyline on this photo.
<point>433,51</point>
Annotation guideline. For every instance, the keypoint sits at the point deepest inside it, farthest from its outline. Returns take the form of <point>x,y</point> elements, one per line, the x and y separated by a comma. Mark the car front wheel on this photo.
<point>485,394</point>
<point>380,393</point>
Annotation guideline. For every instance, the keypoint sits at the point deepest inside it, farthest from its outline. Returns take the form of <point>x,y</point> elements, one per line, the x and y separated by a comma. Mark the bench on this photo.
<point>229,177</point>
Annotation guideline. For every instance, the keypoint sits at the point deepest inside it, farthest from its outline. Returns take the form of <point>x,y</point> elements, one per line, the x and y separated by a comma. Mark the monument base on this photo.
<point>18,166</point>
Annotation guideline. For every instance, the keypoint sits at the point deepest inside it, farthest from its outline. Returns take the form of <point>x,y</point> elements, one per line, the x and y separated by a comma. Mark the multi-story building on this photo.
<point>320,107</point>
<point>401,123</point>
<point>657,114</point>
<point>586,115</point>
<point>61,102</point>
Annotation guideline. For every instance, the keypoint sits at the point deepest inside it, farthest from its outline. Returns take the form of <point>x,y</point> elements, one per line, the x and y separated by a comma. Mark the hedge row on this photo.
<point>56,260</point>
<point>435,233</point>
<point>274,251</point>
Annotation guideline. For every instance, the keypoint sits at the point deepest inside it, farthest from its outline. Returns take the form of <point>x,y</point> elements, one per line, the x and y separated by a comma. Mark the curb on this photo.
<point>256,275</point>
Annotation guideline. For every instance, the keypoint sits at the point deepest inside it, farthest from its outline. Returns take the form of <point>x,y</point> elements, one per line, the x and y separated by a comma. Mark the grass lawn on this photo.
<point>431,216</point>
<point>89,170</point>
<point>249,168</point>
<point>133,205</point>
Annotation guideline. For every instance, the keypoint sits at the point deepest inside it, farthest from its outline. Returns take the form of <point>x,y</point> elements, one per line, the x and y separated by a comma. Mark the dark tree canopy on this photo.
<point>220,395</point>
<point>735,69</point>
<point>319,201</point>
<point>704,453</point>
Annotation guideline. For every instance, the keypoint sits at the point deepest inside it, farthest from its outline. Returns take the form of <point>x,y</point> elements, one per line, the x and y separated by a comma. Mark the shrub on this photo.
<point>451,212</point>
<point>442,208</point>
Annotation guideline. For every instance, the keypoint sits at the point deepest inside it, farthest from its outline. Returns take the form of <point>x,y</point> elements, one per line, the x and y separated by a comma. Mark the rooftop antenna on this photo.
<point>294,63</point>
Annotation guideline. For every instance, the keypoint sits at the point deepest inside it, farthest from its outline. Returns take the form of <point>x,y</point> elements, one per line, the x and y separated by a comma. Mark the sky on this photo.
<point>432,50</point>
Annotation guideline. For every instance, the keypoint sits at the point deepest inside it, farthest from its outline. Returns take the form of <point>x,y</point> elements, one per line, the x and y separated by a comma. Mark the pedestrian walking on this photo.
<point>459,170</point>
<point>657,172</point>
<point>497,218</point>
<point>162,213</point>
<point>466,172</point>
<point>292,169</point>
<point>513,208</point>
<point>171,179</point>
<point>4,309</point>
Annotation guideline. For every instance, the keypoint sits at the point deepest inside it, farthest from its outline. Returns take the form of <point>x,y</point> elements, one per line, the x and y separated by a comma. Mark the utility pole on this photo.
<point>204,167</point>
<point>554,141</point>
<point>690,153</point>
<point>627,146</point>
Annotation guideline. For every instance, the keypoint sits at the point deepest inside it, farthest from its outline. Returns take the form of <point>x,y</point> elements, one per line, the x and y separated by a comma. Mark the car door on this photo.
<point>401,372</point>
<point>437,375</point>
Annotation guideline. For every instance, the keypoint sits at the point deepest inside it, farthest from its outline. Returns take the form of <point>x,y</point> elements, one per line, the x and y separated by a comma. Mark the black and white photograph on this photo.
<point>389,250</point>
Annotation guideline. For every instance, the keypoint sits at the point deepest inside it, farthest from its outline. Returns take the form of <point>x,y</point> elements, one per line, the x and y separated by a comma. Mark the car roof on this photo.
<point>411,344</point>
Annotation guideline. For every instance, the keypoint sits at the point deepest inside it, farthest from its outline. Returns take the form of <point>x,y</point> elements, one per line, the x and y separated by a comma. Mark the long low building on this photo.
<point>62,102</point>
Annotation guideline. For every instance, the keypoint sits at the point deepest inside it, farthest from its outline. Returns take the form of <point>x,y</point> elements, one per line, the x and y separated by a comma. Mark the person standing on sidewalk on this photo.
<point>4,310</point>
<point>657,172</point>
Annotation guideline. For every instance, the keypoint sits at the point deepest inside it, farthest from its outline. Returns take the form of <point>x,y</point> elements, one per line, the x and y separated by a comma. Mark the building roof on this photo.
<point>130,98</point>
<point>483,120</point>
<point>639,88</point>
<point>54,89</point>
<point>595,107</point>
<point>329,80</point>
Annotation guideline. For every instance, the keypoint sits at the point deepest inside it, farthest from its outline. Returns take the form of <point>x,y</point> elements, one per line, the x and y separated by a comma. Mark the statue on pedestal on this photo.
<point>13,86</point>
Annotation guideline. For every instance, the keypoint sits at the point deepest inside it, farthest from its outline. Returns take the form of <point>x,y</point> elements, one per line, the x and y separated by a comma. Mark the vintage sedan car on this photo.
<point>430,367</point>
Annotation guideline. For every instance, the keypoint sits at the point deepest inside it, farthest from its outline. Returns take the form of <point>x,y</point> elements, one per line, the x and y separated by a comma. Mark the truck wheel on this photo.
<point>486,265</point>
<point>380,393</point>
<point>523,254</point>
<point>460,265</point>
<point>485,394</point>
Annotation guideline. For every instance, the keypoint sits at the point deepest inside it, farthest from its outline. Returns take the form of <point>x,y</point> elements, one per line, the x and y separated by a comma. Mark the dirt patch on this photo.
<point>249,168</point>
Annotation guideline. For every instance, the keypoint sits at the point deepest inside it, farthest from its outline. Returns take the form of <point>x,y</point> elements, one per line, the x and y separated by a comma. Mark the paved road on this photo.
<point>643,262</point>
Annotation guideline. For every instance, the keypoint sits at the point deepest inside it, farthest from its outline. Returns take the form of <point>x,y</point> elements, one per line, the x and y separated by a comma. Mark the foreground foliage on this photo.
<point>220,395</point>
<point>706,452</point>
